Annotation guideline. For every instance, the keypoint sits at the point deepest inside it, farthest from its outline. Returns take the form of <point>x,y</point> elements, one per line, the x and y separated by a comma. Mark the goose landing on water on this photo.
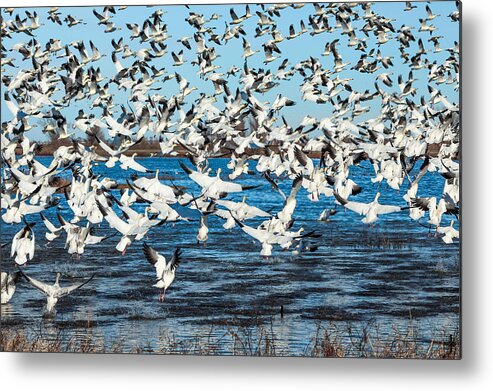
<point>54,292</point>
<point>165,271</point>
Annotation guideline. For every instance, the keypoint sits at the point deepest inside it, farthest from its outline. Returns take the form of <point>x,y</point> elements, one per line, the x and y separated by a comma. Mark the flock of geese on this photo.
<point>414,132</point>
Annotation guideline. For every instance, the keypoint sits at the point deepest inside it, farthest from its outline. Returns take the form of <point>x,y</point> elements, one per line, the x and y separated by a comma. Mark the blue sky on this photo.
<point>295,50</point>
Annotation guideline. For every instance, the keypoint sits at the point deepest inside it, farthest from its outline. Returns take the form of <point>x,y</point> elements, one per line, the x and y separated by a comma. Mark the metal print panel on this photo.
<point>247,179</point>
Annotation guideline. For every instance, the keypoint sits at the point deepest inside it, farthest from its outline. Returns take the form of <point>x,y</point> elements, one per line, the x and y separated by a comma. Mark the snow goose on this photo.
<point>153,190</point>
<point>165,271</point>
<point>78,237</point>
<point>268,238</point>
<point>240,210</point>
<point>134,229</point>
<point>53,232</point>
<point>129,162</point>
<point>370,210</point>
<point>165,212</point>
<point>435,209</point>
<point>17,208</point>
<point>54,292</point>
<point>286,214</point>
<point>247,49</point>
<point>449,233</point>
<point>23,244</point>
<point>325,214</point>
<point>178,58</point>
<point>213,187</point>
<point>8,283</point>
<point>314,180</point>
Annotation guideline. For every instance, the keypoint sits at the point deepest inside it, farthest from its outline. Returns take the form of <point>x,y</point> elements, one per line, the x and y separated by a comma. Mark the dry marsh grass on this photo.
<point>329,340</point>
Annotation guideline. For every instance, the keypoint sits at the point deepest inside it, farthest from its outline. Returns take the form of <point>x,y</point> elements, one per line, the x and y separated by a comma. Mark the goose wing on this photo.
<point>421,203</point>
<point>155,259</point>
<point>201,179</point>
<point>175,260</point>
<point>253,211</point>
<point>384,209</point>
<point>45,288</point>
<point>358,207</point>
<point>68,289</point>
<point>129,162</point>
<point>274,184</point>
<point>49,224</point>
<point>297,182</point>
<point>303,159</point>
<point>228,187</point>
<point>113,220</point>
<point>260,235</point>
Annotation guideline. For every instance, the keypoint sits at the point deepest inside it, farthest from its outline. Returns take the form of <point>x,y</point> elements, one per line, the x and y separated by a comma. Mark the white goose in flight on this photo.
<point>8,283</point>
<point>165,271</point>
<point>286,214</point>
<point>54,292</point>
<point>23,245</point>
<point>449,233</point>
<point>135,228</point>
<point>213,187</point>
<point>153,190</point>
<point>240,210</point>
<point>436,209</point>
<point>165,212</point>
<point>268,238</point>
<point>371,210</point>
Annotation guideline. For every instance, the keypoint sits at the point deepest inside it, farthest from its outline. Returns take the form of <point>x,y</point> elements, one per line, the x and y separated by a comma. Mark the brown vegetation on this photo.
<point>331,340</point>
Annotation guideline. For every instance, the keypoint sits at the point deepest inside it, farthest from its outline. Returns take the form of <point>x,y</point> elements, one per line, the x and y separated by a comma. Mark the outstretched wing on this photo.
<point>68,289</point>
<point>175,260</point>
<point>113,220</point>
<point>358,207</point>
<point>151,255</point>
<point>155,259</point>
<point>421,203</point>
<point>384,209</point>
<point>45,288</point>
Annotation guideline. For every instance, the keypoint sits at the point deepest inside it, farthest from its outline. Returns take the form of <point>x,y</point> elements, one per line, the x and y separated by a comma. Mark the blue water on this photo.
<point>386,273</point>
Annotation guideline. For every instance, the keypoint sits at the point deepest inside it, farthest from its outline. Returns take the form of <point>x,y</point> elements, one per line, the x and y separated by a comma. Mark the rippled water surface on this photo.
<point>386,273</point>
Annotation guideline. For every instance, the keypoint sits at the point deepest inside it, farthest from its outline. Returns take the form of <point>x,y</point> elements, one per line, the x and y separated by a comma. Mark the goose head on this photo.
<point>57,278</point>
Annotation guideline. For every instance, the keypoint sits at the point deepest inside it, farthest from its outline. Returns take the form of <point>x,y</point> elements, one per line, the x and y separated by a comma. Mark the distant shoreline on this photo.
<point>47,149</point>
